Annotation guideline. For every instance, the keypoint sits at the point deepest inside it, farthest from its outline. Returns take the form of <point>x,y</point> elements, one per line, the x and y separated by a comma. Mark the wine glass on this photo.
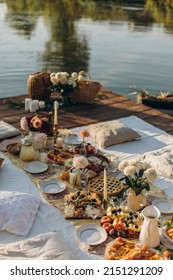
<point>92,211</point>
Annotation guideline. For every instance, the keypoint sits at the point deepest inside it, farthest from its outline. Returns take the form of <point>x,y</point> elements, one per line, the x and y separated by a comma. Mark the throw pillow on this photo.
<point>17,212</point>
<point>111,133</point>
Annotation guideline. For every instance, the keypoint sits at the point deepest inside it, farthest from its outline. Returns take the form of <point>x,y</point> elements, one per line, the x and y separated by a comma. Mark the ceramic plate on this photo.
<point>73,140</point>
<point>53,187</point>
<point>36,167</point>
<point>165,206</point>
<point>91,234</point>
<point>166,242</point>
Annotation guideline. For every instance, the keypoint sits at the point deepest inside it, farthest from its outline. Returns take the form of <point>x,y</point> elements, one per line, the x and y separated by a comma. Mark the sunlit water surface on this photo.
<point>123,57</point>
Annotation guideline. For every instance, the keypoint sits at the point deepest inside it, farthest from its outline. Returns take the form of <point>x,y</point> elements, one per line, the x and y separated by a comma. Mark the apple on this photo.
<point>107,226</point>
<point>105,219</point>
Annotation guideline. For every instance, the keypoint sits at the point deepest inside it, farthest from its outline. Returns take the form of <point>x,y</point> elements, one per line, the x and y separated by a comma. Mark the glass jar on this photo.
<point>27,150</point>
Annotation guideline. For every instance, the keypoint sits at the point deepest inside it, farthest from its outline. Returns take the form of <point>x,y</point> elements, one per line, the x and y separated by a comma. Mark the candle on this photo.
<point>32,106</point>
<point>59,142</point>
<point>105,195</point>
<point>55,112</point>
<point>36,104</point>
<point>43,157</point>
<point>41,104</point>
<point>72,178</point>
<point>27,103</point>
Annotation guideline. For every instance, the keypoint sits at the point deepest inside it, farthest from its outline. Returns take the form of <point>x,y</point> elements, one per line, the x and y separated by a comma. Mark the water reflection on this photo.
<point>64,35</point>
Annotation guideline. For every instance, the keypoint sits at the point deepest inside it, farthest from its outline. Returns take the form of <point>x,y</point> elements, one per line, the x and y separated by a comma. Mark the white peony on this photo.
<point>74,75</point>
<point>80,162</point>
<point>150,174</point>
<point>122,165</point>
<point>63,80</point>
<point>129,170</point>
<point>54,80</point>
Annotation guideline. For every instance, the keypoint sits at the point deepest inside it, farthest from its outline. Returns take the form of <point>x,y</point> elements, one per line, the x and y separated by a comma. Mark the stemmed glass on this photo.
<point>92,211</point>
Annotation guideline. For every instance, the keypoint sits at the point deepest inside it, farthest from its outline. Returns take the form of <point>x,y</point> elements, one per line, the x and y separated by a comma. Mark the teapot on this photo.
<point>149,234</point>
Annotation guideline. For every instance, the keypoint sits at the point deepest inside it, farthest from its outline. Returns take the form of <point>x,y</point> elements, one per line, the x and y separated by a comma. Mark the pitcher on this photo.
<point>149,234</point>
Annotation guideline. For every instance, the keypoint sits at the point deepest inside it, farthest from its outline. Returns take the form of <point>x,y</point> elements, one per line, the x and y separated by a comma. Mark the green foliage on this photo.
<point>138,183</point>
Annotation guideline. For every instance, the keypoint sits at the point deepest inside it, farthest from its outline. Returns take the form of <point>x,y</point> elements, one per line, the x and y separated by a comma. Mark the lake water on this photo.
<point>125,47</point>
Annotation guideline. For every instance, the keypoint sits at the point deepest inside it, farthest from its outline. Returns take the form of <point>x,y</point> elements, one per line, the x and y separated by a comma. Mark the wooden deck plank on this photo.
<point>108,106</point>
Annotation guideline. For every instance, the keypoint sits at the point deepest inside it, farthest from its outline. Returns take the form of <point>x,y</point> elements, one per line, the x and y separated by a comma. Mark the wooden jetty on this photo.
<point>108,106</point>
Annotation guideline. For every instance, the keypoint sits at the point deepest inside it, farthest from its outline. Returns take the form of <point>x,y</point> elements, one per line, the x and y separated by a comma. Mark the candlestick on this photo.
<point>55,132</point>
<point>105,194</point>
<point>55,112</point>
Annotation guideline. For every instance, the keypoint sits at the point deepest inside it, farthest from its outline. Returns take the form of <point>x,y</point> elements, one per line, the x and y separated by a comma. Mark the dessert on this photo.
<point>114,186</point>
<point>80,204</point>
<point>123,249</point>
<point>123,221</point>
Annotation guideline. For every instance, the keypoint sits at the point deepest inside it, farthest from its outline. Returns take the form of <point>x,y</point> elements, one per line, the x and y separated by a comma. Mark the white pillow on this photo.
<point>7,130</point>
<point>161,160</point>
<point>45,246</point>
<point>111,133</point>
<point>17,212</point>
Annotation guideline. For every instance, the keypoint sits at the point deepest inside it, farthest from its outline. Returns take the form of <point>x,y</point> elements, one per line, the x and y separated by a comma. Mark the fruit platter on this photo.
<point>121,221</point>
<point>124,249</point>
<point>80,204</point>
<point>168,229</point>
<point>60,155</point>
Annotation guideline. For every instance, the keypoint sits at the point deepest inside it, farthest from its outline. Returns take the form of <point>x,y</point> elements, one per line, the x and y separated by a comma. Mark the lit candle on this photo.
<point>55,112</point>
<point>105,195</point>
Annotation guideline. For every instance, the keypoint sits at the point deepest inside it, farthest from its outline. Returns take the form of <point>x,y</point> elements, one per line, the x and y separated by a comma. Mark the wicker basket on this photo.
<point>86,92</point>
<point>38,85</point>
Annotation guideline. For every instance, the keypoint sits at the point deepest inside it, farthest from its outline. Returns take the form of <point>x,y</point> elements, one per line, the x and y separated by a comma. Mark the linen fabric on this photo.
<point>45,246</point>
<point>17,212</point>
<point>7,130</point>
<point>161,160</point>
<point>111,133</point>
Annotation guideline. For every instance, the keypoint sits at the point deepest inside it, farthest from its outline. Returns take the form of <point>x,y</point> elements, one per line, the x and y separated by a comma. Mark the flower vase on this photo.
<point>135,202</point>
<point>32,134</point>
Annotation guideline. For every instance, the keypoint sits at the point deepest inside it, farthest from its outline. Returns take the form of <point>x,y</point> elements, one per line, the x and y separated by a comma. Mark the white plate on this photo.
<point>36,167</point>
<point>166,242</point>
<point>91,234</point>
<point>72,140</point>
<point>165,206</point>
<point>53,187</point>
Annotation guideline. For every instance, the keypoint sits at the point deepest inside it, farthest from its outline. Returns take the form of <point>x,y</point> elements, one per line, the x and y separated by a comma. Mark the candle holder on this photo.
<point>105,204</point>
<point>55,132</point>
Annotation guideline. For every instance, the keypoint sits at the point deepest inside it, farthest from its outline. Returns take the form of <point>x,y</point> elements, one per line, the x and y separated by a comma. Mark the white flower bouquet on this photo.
<point>137,175</point>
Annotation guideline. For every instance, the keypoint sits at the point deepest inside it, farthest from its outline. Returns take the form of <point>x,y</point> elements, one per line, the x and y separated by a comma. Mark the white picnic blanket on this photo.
<point>49,219</point>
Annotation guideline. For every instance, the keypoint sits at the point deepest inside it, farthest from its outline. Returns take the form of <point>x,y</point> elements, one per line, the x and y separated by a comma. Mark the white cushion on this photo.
<point>45,246</point>
<point>17,212</point>
<point>111,133</point>
<point>161,160</point>
<point>7,130</point>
